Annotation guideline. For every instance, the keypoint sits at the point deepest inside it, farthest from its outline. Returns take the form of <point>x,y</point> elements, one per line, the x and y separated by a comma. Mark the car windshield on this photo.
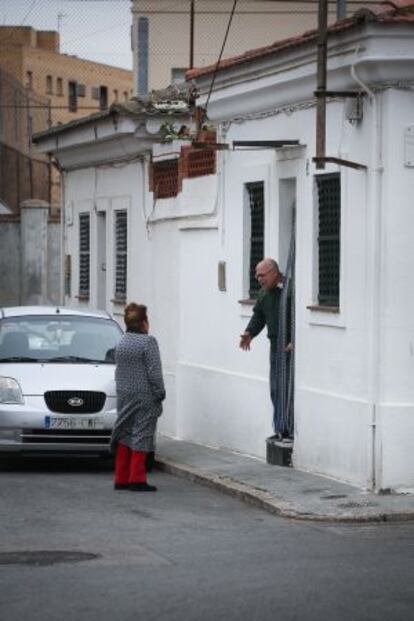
<point>57,339</point>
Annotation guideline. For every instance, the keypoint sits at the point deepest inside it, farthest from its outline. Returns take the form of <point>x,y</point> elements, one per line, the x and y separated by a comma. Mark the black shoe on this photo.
<point>121,486</point>
<point>149,462</point>
<point>141,487</point>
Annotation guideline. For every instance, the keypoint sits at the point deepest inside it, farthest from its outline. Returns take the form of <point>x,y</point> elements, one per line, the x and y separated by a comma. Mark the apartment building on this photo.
<point>41,87</point>
<point>170,36</point>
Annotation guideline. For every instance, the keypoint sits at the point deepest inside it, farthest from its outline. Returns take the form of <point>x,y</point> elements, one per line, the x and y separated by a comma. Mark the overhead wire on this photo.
<point>220,55</point>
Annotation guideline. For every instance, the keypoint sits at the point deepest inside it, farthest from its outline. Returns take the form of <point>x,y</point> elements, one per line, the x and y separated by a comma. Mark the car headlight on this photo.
<point>10,391</point>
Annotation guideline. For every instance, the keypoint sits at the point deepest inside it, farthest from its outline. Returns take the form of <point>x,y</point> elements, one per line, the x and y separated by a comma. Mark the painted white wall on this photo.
<point>354,397</point>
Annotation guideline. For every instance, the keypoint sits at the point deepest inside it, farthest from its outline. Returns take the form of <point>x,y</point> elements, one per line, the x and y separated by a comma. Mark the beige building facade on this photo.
<point>163,29</point>
<point>73,86</point>
<point>39,88</point>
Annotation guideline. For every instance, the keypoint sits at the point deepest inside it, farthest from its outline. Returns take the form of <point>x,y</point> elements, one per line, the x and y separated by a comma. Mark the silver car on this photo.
<point>57,386</point>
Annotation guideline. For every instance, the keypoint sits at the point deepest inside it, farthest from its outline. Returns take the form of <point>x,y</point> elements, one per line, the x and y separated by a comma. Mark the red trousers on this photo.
<point>130,465</point>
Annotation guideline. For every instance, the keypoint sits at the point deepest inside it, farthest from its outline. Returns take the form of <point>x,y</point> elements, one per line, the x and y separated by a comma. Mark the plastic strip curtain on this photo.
<point>285,361</point>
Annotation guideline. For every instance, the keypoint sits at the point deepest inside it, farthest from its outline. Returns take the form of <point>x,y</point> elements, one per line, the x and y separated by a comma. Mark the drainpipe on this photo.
<point>374,288</point>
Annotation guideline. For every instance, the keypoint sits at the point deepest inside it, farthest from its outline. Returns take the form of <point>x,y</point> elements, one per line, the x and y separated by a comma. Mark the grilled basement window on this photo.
<point>84,254</point>
<point>120,255</point>
<point>255,193</point>
<point>165,178</point>
<point>329,212</point>
<point>201,162</point>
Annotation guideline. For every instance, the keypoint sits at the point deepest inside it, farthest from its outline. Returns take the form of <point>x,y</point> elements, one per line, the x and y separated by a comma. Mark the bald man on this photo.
<point>266,313</point>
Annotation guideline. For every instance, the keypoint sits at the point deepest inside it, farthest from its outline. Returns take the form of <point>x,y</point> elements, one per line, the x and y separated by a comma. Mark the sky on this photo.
<point>97,30</point>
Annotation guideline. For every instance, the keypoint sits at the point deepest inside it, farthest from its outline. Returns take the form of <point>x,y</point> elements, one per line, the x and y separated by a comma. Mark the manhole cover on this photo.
<point>44,557</point>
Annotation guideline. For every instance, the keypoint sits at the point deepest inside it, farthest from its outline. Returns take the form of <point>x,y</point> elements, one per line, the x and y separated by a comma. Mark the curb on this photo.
<point>262,499</point>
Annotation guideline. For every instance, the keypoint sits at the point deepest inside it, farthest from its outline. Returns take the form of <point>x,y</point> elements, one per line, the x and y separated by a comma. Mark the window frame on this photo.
<point>252,257</point>
<point>84,257</point>
<point>120,294</point>
<point>328,299</point>
<point>72,96</point>
<point>49,85</point>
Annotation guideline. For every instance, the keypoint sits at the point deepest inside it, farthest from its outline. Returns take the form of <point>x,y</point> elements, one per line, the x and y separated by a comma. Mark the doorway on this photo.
<point>285,364</point>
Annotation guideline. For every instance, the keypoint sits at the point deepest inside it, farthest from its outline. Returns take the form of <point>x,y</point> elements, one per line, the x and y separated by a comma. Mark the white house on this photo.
<point>188,255</point>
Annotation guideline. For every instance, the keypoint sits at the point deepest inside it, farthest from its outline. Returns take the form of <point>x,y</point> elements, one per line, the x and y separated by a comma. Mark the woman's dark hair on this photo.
<point>135,315</point>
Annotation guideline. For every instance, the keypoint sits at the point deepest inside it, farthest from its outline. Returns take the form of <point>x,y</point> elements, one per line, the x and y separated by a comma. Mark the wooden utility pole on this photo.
<point>321,84</point>
<point>192,34</point>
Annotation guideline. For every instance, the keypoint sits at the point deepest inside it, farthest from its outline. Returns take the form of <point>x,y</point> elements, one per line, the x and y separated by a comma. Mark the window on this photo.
<point>329,220</point>
<point>100,93</point>
<point>120,254</point>
<point>84,254</point>
<point>255,193</point>
<point>59,86</point>
<point>165,179</point>
<point>81,90</point>
<point>73,97</point>
<point>49,85</point>
<point>126,97</point>
<point>116,95</point>
<point>29,79</point>
<point>103,97</point>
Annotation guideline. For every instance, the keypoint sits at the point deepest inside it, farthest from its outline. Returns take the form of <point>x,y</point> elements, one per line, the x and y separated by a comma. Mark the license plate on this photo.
<point>73,422</point>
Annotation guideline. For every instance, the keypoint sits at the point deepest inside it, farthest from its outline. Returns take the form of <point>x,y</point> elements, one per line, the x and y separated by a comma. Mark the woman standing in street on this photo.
<point>140,392</point>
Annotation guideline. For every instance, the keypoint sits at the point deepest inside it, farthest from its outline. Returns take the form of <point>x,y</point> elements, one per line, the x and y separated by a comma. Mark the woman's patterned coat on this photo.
<point>140,391</point>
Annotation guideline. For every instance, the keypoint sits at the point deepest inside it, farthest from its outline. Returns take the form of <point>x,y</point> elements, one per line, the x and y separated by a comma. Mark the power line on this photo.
<point>221,53</point>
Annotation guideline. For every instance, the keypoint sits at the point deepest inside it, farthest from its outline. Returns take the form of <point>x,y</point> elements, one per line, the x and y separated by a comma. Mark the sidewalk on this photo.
<point>280,490</point>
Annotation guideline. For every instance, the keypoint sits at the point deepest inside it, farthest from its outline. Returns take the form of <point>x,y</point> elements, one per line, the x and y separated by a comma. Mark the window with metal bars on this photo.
<point>165,178</point>
<point>121,254</point>
<point>84,254</point>
<point>329,249</point>
<point>255,192</point>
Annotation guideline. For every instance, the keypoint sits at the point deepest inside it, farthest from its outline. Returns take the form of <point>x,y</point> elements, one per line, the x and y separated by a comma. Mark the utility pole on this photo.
<point>192,34</point>
<point>321,84</point>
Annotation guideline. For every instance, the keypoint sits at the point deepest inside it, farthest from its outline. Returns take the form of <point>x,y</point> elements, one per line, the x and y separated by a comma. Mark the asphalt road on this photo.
<point>72,548</point>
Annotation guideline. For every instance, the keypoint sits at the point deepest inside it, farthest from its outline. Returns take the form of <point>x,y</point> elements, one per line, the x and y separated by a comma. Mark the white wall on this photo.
<point>353,410</point>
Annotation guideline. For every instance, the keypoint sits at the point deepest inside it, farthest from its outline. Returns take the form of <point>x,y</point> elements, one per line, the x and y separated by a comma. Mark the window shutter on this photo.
<point>81,90</point>
<point>329,203</point>
<point>84,252</point>
<point>121,254</point>
<point>256,203</point>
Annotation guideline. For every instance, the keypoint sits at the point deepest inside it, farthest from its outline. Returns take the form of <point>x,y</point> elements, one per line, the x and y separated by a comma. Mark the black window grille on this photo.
<point>120,254</point>
<point>255,193</point>
<point>329,213</point>
<point>84,254</point>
